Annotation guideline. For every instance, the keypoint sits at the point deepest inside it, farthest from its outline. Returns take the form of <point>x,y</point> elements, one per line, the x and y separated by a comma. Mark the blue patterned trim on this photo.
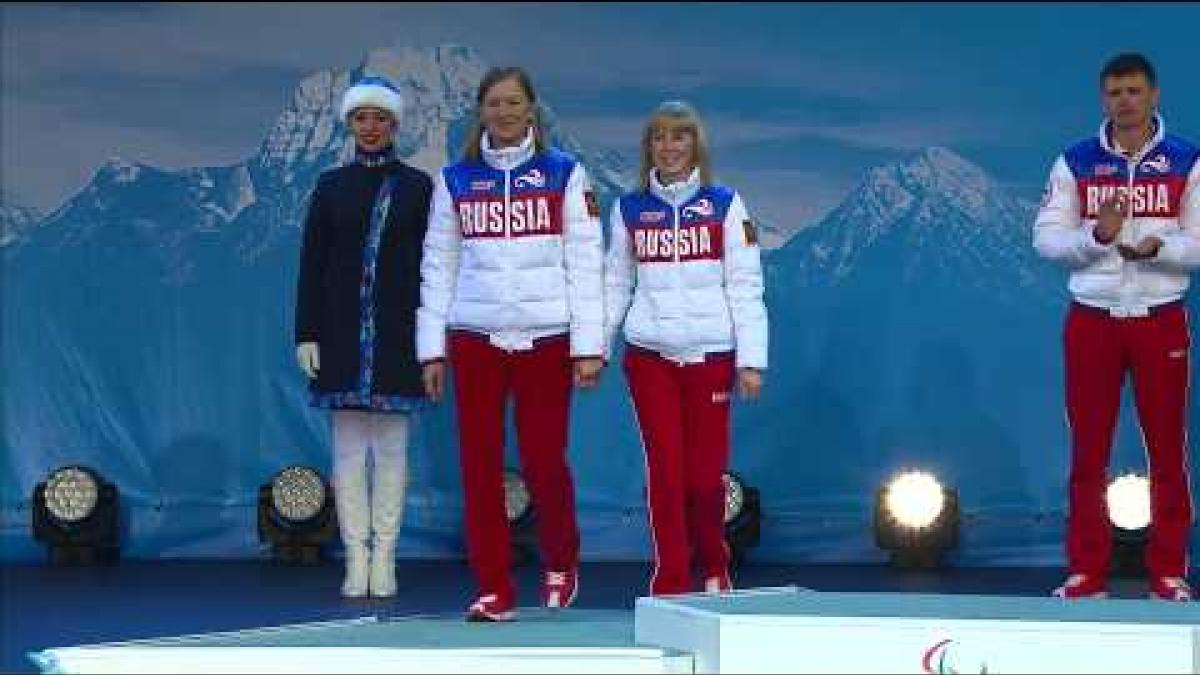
<point>378,402</point>
<point>366,333</point>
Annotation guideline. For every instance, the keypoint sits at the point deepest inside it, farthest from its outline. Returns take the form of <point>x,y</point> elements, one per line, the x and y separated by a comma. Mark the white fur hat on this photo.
<point>374,92</point>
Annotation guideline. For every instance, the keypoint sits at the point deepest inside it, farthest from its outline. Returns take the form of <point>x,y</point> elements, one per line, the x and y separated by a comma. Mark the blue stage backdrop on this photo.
<point>147,314</point>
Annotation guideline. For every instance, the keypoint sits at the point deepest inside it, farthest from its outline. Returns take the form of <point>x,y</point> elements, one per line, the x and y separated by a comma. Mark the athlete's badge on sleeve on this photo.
<point>750,231</point>
<point>593,208</point>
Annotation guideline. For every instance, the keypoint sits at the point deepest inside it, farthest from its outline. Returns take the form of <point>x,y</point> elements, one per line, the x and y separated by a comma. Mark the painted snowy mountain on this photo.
<point>147,329</point>
<point>254,201</point>
<point>901,324</point>
<point>934,217</point>
<point>147,321</point>
<point>15,221</point>
<point>773,236</point>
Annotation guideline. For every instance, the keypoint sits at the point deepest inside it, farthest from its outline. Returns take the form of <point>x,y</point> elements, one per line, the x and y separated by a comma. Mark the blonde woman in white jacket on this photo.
<point>683,274</point>
<point>512,292</point>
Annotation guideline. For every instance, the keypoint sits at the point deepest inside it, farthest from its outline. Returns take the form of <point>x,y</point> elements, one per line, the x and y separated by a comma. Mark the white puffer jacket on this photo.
<point>1163,185</point>
<point>684,275</point>
<point>514,250</point>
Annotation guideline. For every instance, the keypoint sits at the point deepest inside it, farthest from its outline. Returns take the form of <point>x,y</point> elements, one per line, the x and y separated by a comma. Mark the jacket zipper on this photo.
<point>1129,273</point>
<point>507,178</point>
<point>675,240</point>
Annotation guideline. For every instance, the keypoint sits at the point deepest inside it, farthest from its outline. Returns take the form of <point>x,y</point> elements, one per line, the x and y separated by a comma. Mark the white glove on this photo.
<point>309,357</point>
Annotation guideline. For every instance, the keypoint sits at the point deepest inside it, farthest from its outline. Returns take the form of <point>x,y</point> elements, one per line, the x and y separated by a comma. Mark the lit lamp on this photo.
<point>1128,500</point>
<point>917,519</point>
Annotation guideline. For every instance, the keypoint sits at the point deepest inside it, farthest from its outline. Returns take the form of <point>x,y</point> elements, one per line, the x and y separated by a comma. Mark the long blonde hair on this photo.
<point>472,149</point>
<point>676,115</point>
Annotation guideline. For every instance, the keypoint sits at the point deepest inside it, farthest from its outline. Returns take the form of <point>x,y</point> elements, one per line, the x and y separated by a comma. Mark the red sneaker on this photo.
<point>1175,589</point>
<point>559,588</point>
<point>491,607</point>
<point>1082,586</point>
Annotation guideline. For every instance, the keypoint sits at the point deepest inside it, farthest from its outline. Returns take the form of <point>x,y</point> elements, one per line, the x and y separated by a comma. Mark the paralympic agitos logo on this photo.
<point>940,660</point>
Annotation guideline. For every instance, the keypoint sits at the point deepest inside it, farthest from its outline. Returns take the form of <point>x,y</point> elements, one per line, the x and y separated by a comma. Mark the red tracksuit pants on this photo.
<point>540,381</point>
<point>683,412</point>
<point>1099,349</point>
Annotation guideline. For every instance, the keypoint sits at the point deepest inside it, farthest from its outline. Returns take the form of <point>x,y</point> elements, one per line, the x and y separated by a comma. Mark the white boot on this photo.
<point>387,498</point>
<point>358,566</point>
<point>350,439</point>
<point>383,568</point>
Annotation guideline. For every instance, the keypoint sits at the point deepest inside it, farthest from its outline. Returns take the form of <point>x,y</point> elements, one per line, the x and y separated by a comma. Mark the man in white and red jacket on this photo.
<point>1122,212</point>
<point>512,273</point>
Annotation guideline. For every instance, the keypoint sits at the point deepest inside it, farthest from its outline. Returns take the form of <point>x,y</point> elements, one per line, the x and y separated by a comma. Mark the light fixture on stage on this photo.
<point>518,509</point>
<point>917,519</point>
<point>296,515</point>
<point>76,514</point>
<point>1128,500</point>
<point>743,516</point>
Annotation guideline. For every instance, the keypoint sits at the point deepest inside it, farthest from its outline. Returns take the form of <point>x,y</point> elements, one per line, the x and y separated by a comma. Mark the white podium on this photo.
<point>789,630</point>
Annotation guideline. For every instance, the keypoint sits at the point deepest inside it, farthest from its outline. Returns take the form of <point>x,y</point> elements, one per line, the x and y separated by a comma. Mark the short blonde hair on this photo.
<point>676,115</point>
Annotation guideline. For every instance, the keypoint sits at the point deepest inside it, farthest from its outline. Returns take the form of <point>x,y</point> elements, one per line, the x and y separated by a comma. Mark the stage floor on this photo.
<point>42,607</point>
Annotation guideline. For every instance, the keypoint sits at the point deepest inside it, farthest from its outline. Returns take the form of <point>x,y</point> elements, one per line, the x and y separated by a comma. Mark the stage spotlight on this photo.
<point>518,509</point>
<point>1128,500</point>
<point>296,515</point>
<point>917,519</point>
<point>76,514</point>
<point>743,516</point>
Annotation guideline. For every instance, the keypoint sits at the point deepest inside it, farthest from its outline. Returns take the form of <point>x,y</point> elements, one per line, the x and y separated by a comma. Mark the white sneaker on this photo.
<point>1175,589</point>
<point>1082,586</point>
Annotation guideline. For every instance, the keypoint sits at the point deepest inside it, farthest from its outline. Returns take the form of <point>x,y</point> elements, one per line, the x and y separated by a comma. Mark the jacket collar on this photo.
<point>675,194</point>
<point>1106,139</point>
<point>506,159</point>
